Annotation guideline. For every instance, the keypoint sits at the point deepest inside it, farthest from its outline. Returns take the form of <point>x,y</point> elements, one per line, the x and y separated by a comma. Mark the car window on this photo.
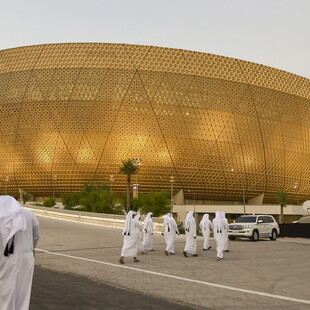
<point>246,219</point>
<point>266,219</point>
<point>260,218</point>
<point>270,219</point>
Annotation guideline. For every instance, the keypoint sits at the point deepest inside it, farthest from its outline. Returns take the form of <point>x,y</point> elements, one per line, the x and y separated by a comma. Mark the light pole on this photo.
<point>171,194</point>
<point>6,183</point>
<point>111,181</point>
<point>243,191</point>
<point>137,162</point>
<point>54,180</point>
<point>135,190</point>
<point>243,194</point>
<point>195,214</point>
<point>296,188</point>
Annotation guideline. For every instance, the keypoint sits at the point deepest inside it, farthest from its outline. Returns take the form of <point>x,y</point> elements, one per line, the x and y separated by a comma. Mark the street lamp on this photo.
<point>135,190</point>
<point>194,200</point>
<point>296,188</point>
<point>195,213</point>
<point>136,162</point>
<point>54,180</point>
<point>111,181</point>
<point>171,195</point>
<point>6,183</point>
<point>243,190</point>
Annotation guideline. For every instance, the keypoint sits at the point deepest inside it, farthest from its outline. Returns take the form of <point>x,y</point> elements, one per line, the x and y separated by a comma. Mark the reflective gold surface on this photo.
<point>221,126</point>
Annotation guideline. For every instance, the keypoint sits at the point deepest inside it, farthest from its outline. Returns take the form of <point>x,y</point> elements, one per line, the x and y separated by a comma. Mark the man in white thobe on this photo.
<point>219,226</point>
<point>19,234</point>
<point>190,235</point>
<point>170,231</point>
<point>205,226</point>
<point>225,231</point>
<point>139,228</point>
<point>148,232</point>
<point>129,248</point>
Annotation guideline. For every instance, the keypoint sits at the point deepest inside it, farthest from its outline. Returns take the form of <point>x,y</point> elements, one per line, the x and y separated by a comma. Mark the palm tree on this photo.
<point>129,167</point>
<point>281,198</point>
<point>25,197</point>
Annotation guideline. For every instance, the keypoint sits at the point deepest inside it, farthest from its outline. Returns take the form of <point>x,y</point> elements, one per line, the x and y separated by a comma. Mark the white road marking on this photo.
<point>304,301</point>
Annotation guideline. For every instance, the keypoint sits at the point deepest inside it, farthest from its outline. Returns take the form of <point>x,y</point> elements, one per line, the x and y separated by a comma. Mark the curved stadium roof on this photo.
<point>71,112</point>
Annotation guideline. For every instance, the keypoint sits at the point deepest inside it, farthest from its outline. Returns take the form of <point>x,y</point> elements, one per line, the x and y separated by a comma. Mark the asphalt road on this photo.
<point>77,268</point>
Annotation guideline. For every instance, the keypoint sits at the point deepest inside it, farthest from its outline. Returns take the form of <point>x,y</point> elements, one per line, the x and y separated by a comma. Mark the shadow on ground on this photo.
<point>54,290</point>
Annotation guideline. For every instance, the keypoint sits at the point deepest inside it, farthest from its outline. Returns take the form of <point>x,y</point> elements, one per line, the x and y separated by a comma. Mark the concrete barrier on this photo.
<point>100,219</point>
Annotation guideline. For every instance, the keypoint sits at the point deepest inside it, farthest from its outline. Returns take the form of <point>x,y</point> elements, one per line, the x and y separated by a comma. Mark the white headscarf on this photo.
<point>148,219</point>
<point>170,218</point>
<point>204,222</point>
<point>218,222</point>
<point>12,219</point>
<point>137,218</point>
<point>224,217</point>
<point>170,221</point>
<point>188,219</point>
<point>128,222</point>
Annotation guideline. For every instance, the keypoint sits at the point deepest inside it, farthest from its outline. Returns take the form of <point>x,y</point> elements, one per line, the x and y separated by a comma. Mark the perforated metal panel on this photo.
<point>221,126</point>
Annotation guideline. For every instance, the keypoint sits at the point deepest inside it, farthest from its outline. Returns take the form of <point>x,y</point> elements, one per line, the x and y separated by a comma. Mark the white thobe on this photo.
<point>139,234</point>
<point>220,239</point>
<point>170,231</point>
<point>220,243</point>
<point>129,248</point>
<point>190,234</point>
<point>16,270</point>
<point>148,236</point>
<point>205,229</point>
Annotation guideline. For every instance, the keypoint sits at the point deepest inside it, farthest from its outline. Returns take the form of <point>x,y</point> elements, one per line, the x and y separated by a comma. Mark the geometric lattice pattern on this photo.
<point>221,126</point>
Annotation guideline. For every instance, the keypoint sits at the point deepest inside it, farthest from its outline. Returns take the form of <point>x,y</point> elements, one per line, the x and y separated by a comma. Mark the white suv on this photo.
<point>254,227</point>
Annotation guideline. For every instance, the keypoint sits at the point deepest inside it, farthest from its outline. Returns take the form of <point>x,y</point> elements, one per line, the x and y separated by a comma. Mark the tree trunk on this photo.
<point>128,193</point>
<point>281,215</point>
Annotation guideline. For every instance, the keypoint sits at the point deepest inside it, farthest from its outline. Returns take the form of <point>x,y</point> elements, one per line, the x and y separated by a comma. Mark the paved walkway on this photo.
<point>254,275</point>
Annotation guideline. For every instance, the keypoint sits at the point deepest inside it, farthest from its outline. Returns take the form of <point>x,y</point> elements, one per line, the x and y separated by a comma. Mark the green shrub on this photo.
<point>156,202</point>
<point>49,202</point>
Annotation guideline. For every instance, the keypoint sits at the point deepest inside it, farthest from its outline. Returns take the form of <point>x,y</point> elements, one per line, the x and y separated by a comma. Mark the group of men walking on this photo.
<point>139,238</point>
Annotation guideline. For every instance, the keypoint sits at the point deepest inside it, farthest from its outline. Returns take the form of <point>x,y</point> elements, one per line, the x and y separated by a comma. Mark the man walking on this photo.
<point>225,231</point>
<point>129,248</point>
<point>190,235</point>
<point>205,226</point>
<point>170,231</point>
<point>219,227</point>
<point>148,233</point>
<point>19,235</point>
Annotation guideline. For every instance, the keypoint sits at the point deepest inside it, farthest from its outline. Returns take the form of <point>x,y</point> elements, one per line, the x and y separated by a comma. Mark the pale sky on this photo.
<point>270,32</point>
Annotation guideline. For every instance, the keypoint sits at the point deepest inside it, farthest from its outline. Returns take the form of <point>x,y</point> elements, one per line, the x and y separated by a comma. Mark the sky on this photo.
<point>275,33</point>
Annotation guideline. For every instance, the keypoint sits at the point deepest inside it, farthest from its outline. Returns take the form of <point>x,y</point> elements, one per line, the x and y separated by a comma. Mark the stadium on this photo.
<point>225,129</point>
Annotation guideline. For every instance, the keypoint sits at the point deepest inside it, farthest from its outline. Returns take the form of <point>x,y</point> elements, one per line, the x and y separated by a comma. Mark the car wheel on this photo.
<point>232,238</point>
<point>274,235</point>
<point>254,235</point>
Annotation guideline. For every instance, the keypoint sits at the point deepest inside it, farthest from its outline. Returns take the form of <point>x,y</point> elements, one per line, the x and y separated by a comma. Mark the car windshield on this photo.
<point>246,219</point>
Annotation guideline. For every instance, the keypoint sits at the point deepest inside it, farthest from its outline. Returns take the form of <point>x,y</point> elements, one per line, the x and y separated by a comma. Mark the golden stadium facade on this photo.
<point>222,127</point>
